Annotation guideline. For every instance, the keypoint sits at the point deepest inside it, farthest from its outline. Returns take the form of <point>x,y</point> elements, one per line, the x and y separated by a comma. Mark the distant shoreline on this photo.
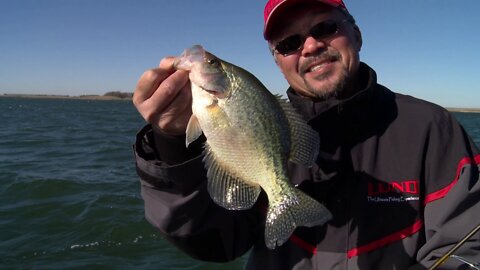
<point>107,97</point>
<point>82,97</point>
<point>464,110</point>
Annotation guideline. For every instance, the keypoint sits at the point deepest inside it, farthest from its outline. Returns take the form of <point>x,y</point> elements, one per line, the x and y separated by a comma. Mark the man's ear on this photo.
<point>275,59</point>
<point>358,37</point>
<point>272,52</point>
<point>278,65</point>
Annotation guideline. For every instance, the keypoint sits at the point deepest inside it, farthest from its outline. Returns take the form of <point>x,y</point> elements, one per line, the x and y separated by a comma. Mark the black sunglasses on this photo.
<point>319,31</point>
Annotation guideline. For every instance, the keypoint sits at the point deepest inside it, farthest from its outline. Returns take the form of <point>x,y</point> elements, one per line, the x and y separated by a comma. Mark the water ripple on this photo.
<point>69,195</point>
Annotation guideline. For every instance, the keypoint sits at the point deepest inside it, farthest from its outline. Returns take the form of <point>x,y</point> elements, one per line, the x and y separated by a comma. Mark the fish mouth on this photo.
<point>206,70</point>
<point>189,57</point>
<point>213,91</point>
<point>210,91</point>
<point>213,83</point>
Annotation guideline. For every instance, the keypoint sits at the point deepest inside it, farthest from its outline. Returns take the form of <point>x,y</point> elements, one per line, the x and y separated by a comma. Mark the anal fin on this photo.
<point>225,188</point>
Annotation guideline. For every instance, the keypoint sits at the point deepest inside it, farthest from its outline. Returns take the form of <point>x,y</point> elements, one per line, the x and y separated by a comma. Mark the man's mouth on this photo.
<point>318,65</point>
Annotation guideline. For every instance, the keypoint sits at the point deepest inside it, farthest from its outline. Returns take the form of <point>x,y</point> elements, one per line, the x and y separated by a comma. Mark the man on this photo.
<point>399,174</point>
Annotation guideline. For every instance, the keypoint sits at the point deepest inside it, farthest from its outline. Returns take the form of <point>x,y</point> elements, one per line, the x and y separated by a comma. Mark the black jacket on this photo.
<point>399,175</point>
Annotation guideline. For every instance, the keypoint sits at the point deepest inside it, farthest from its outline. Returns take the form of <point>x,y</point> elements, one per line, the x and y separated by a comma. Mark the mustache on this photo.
<point>324,56</point>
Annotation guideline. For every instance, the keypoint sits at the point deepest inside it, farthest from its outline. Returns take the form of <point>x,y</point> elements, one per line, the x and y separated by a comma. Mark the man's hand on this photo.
<point>163,97</point>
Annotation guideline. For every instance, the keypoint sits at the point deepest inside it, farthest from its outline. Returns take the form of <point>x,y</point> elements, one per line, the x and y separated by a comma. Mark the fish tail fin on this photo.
<point>283,216</point>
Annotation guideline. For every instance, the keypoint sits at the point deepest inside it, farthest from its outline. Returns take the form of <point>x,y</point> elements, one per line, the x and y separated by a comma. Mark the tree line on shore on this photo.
<point>119,94</point>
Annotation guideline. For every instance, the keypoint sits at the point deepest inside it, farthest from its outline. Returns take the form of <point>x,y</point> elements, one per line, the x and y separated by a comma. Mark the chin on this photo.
<point>330,86</point>
<point>327,90</point>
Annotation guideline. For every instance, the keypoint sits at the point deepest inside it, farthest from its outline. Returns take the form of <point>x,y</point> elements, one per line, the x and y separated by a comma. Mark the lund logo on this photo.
<point>405,187</point>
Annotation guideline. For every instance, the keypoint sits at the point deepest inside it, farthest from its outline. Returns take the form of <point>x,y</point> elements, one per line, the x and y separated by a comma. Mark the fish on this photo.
<point>251,135</point>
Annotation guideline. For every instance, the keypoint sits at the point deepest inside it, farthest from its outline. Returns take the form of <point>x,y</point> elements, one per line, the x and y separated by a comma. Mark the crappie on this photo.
<point>251,134</point>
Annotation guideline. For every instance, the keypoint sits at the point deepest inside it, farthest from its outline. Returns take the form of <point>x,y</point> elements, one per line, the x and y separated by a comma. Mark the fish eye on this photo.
<point>212,61</point>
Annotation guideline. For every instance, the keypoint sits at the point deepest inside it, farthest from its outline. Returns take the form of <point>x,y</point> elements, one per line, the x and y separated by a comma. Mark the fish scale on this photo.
<point>250,137</point>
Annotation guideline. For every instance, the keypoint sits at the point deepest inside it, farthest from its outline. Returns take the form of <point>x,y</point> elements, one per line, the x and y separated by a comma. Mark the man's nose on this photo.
<point>312,46</point>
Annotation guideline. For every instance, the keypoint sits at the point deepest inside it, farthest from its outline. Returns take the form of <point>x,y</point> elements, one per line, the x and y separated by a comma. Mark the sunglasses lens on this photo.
<point>293,43</point>
<point>324,29</point>
<point>289,44</point>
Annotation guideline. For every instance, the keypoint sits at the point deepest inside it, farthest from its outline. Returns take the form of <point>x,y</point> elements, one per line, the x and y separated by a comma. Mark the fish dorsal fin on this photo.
<point>193,130</point>
<point>305,142</point>
<point>226,189</point>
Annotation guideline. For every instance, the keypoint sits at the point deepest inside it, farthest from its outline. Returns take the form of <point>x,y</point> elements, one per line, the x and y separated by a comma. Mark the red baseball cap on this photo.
<point>273,6</point>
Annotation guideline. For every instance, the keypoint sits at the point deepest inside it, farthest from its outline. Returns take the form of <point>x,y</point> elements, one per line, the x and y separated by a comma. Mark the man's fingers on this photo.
<point>147,84</point>
<point>167,63</point>
<point>151,79</point>
<point>163,97</point>
<point>168,90</point>
<point>175,117</point>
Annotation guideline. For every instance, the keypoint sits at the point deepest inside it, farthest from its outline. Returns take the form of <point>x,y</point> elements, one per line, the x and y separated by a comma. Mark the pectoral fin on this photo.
<point>193,130</point>
<point>225,188</point>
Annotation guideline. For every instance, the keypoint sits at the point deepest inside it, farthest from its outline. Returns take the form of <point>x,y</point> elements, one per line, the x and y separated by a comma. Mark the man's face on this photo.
<point>320,68</point>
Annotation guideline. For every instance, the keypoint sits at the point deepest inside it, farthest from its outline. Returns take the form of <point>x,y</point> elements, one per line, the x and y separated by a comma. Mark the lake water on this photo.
<point>69,194</point>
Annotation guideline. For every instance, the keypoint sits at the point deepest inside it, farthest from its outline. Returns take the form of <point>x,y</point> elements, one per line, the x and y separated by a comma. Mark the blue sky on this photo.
<point>424,48</point>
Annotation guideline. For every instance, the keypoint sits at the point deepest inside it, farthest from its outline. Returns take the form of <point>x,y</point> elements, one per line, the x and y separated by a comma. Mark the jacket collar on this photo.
<point>310,109</point>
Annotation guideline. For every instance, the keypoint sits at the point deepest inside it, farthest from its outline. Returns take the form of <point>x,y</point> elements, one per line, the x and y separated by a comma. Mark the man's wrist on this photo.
<point>171,149</point>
